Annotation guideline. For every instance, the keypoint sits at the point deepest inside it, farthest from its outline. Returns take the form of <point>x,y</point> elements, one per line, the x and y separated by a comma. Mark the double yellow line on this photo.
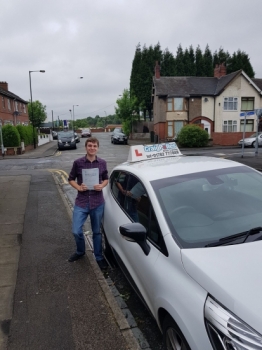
<point>61,175</point>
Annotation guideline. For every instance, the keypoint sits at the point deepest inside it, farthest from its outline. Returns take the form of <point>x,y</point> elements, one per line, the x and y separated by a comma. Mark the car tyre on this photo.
<point>254,144</point>
<point>173,337</point>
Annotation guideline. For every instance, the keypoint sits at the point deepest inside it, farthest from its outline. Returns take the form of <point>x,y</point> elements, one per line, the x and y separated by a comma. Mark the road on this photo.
<point>60,165</point>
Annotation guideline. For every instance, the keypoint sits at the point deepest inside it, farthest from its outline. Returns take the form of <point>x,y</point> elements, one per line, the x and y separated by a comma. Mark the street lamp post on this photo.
<point>74,117</point>
<point>70,110</point>
<point>32,109</point>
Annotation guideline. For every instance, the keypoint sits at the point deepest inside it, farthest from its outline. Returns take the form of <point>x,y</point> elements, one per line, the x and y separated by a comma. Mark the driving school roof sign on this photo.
<point>146,152</point>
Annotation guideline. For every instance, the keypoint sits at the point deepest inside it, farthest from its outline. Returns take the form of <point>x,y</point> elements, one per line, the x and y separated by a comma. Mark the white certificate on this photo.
<point>90,177</point>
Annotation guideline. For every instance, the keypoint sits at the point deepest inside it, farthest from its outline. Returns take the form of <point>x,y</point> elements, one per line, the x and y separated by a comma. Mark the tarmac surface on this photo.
<point>45,301</point>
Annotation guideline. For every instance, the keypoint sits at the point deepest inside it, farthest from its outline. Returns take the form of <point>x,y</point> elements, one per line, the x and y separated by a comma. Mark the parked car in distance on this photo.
<point>54,134</point>
<point>251,140</point>
<point>66,140</point>
<point>118,136</point>
<point>77,138</point>
<point>86,133</point>
<point>187,234</point>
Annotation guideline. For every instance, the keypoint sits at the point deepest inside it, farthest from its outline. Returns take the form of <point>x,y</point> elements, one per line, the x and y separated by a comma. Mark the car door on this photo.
<point>138,267</point>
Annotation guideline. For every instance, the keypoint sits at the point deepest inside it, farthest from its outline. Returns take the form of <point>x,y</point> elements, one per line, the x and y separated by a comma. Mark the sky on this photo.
<point>96,40</point>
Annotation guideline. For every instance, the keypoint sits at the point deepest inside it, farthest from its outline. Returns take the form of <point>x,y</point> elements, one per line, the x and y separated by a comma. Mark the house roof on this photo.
<point>9,94</point>
<point>192,86</point>
<point>258,83</point>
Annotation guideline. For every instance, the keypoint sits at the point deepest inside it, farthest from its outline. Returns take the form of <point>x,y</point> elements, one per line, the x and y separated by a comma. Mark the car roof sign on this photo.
<point>147,152</point>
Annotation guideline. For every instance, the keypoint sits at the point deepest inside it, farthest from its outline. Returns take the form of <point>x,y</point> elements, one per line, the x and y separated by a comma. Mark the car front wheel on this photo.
<point>173,337</point>
<point>254,144</point>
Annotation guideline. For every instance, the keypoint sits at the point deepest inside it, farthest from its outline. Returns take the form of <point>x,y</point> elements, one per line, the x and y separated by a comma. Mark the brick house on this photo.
<point>214,103</point>
<point>13,109</point>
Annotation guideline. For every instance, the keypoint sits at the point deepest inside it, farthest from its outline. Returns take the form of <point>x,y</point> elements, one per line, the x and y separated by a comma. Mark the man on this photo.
<point>89,201</point>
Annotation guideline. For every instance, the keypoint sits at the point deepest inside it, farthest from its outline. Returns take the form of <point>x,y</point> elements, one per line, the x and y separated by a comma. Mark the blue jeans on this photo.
<point>79,217</point>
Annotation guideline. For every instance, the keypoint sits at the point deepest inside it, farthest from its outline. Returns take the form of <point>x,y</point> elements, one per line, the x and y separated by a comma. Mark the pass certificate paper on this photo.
<point>90,177</point>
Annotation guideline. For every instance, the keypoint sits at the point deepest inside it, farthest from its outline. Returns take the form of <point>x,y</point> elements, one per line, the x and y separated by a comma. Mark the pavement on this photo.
<point>45,301</point>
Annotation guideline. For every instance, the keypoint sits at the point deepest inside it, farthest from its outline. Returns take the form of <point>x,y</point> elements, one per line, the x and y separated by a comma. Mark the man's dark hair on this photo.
<point>93,140</point>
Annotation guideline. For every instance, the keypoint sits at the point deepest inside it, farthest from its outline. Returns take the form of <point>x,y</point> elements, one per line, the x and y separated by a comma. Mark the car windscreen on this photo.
<point>204,207</point>
<point>65,134</point>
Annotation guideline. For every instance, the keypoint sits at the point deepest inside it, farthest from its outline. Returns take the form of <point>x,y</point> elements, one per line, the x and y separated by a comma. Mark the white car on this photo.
<point>186,231</point>
<point>251,140</point>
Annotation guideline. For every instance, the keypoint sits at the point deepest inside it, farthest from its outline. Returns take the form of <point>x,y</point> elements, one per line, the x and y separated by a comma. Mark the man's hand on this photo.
<point>98,187</point>
<point>82,188</point>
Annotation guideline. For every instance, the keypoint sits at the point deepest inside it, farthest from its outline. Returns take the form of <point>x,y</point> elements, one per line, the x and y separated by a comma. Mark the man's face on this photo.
<point>91,148</point>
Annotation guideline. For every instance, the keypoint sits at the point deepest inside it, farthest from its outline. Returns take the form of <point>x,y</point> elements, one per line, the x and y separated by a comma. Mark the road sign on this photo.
<point>246,114</point>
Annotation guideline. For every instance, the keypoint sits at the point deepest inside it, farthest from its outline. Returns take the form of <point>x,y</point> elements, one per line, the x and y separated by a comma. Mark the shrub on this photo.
<point>11,136</point>
<point>192,136</point>
<point>26,134</point>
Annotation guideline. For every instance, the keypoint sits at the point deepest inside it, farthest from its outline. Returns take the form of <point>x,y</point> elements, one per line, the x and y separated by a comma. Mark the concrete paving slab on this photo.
<point>13,206</point>
<point>8,275</point>
<point>9,255</point>
<point>11,229</point>
<point>6,305</point>
<point>10,218</point>
<point>9,241</point>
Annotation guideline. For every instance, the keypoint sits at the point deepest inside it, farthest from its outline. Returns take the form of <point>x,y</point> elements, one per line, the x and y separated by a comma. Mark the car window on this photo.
<point>204,207</point>
<point>133,199</point>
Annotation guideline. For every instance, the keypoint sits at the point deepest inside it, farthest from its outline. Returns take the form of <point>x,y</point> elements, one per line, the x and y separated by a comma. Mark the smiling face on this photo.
<point>91,148</point>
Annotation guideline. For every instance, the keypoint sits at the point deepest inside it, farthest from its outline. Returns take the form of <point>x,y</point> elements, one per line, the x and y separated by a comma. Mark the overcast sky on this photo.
<point>96,40</point>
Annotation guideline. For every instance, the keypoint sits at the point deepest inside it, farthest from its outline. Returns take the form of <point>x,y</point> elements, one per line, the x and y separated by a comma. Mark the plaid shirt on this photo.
<point>91,198</point>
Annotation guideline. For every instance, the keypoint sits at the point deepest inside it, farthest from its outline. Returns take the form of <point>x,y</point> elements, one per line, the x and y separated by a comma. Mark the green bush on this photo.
<point>26,134</point>
<point>192,136</point>
<point>11,137</point>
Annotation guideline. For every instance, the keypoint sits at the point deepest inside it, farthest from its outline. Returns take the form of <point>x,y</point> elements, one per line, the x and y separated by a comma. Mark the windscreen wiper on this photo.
<point>229,239</point>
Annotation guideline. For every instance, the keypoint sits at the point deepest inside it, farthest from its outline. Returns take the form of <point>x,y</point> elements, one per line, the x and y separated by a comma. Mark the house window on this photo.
<point>3,101</point>
<point>230,104</point>
<point>8,104</point>
<point>24,110</point>
<point>16,106</point>
<point>247,103</point>
<point>175,104</point>
<point>174,127</point>
<point>230,126</point>
<point>249,125</point>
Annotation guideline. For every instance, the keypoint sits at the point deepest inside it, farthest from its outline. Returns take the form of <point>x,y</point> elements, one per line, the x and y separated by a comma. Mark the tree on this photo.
<point>125,110</point>
<point>208,63</point>
<point>199,62</point>
<point>37,113</point>
<point>180,66</point>
<point>240,60</point>
<point>167,64</point>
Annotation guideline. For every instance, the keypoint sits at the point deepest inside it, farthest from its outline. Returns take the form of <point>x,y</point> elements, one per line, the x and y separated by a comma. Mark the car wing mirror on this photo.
<point>135,232</point>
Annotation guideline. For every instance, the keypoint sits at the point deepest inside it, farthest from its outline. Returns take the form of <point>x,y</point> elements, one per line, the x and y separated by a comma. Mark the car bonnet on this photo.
<point>232,275</point>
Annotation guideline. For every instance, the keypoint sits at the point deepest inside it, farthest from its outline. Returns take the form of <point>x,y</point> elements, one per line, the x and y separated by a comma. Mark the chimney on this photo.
<point>4,85</point>
<point>157,70</point>
<point>220,70</point>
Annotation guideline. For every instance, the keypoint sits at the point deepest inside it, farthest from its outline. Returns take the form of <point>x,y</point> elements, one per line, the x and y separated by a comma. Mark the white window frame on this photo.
<point>8,104</point>
<point>229,126</point>
<point>230,104</point>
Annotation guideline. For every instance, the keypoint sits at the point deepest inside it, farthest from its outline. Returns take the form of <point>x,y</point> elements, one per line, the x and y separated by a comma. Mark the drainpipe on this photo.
<point>214,113</point>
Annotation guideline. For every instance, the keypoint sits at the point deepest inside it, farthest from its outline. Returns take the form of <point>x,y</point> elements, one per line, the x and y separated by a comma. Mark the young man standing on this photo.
<point>88,201</point>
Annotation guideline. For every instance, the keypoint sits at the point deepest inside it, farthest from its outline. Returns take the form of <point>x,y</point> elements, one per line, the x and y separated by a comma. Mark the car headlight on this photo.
<point>73,139</point>
<point>227,332</point>
<point>59,141</point>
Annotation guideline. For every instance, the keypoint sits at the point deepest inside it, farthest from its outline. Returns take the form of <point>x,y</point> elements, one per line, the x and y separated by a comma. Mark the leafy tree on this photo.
<point>37,113</point>
<point>125,110</point>
<point>192,136</point>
